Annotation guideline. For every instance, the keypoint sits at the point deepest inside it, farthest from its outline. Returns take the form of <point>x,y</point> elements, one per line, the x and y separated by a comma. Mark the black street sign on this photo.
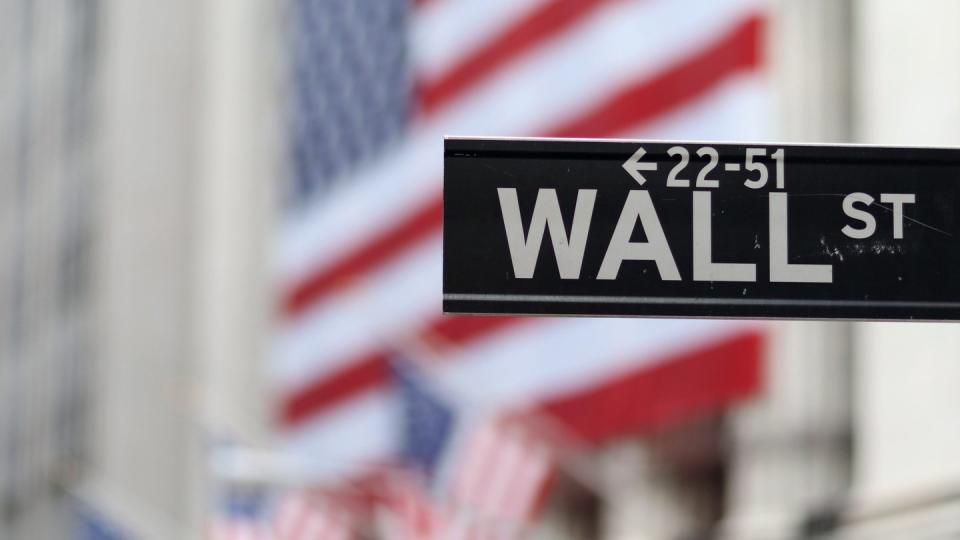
<point>577,227</point>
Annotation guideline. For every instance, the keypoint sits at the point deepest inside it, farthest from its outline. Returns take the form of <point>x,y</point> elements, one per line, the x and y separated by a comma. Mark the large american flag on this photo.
<point>375,84</point>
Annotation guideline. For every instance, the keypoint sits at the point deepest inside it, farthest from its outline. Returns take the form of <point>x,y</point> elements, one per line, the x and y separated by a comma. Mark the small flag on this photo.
<point>301,515</point>
<point>242,515</point>
<point>503,473</point>
<point>428,421</point>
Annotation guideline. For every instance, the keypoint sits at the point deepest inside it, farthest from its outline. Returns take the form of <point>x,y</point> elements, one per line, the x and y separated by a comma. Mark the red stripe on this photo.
<point>683,82</point>
<point>677,389</point>
<point>373,370</point>
<point>392,242</point>
<point>456,330</point>
<point>528,32</point>
<point>638,103</point>
<point>367,373</point>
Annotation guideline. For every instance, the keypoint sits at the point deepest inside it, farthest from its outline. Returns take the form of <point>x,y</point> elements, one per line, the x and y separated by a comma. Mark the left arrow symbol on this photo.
<point>633,166</point>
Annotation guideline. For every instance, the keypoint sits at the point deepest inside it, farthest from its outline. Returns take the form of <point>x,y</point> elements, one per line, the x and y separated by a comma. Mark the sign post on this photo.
<point>638,228</point>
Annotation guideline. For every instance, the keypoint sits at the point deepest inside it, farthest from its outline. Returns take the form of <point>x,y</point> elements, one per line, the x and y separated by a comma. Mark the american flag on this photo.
<point>375,86</point>
<point>502,474</point>
<point>498,477</point>
<point>256,513</point>
<point>243,514</point>
<point>406,511</point>
<point>428,420</point>
<point>301,515</point>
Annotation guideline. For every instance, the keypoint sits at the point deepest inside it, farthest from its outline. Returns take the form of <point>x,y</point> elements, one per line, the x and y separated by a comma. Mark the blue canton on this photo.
<point>428,420</point>
<point>351,88</point>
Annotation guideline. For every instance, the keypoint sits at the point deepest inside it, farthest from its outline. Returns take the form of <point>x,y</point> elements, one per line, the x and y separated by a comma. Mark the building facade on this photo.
<point>48,188</point>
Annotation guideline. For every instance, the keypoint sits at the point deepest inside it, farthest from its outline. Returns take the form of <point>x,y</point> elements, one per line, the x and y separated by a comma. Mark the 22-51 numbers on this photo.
<point>751,164</point>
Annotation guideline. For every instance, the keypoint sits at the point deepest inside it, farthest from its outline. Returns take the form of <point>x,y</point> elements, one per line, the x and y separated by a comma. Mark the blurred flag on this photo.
<point>92,523</point>
<point>406,509</point>
<point>243,513</point>
<point>497,478</point>
<point>376,84</point>
<point>251,513</point>
<point>502,474</point>
<point>300,515</point>
<point>428,421</point>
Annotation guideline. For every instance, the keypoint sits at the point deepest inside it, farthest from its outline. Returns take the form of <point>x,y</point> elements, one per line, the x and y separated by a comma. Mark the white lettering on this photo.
<point>898,200</point>
<point>672,179</point>
<point>714,158</point>
<point>546,214</point>
<point>869,223</point>
<point>780,269</point>
<point>656,248</point>
<point>704,269</point>
<point>758,166</point>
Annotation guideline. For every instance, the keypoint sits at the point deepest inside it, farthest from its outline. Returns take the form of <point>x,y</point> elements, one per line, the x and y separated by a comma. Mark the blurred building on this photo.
<point>187,174</point>
<point>133,278</point>
<point>143,161</point>
<point>49,63</point>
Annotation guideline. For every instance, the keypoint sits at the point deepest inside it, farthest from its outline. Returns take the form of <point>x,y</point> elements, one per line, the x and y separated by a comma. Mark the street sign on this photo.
<point>579,227</point>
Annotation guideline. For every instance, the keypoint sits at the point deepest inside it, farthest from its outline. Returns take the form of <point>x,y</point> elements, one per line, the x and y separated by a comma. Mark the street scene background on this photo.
<point>220,278</point>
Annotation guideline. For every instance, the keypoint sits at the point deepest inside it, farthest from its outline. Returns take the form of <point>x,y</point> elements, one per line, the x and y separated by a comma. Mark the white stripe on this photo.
<point>289,515</point>
<point>529,481</point>
<point>504,459</point>
<point>460,527</point>
<point>244,530</point>
<point>739,109</point>
<point>568,76</point>
<point>322,524</point>
<point>346,440</point>
<point>469,472</point>
<point>368,315</point>
<point>373,201</point>
<point>440,39</point>
<point>550,357</point>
